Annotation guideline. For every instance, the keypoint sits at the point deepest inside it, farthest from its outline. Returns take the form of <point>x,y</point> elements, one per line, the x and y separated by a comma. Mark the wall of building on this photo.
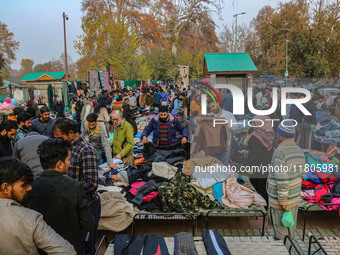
<point>239,81</point>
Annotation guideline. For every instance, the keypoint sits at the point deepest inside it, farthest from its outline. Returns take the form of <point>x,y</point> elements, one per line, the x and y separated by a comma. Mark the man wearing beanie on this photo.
<point>284,181</point>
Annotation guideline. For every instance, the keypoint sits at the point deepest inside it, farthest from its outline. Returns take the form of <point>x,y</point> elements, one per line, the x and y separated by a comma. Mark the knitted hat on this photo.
<point>287,130</point>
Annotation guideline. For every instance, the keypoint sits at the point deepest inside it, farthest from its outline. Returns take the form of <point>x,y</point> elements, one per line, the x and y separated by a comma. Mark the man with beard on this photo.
<point>123,140</point>
<point>24,122</point>
<point>8,129</point>
<point>44,124</point>
<point>54,194</point>
<point>164,127</point>
<point>22,230</point>
<point>149,100</point>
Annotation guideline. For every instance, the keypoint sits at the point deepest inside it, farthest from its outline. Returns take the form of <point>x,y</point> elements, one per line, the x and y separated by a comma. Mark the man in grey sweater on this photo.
<point>26,151</point>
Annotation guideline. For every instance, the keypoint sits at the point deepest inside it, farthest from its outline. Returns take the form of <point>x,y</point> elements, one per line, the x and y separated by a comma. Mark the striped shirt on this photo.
<point>284,183</point>
<point>84,164</point>
<point>163,133</point>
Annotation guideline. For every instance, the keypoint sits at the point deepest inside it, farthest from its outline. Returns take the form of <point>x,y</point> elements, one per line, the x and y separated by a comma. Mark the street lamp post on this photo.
<point>286,74</point>
<point>287,41</point>
<point>65,49</point>
<point>235,16</point>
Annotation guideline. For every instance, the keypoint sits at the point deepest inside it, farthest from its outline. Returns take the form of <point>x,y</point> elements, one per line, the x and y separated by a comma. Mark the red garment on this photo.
<point>308,184</point>
<point>135,186</point>
<point>320,190</point>
<point>335,207</point>
<point>309,199</point>
<point>326,177</point>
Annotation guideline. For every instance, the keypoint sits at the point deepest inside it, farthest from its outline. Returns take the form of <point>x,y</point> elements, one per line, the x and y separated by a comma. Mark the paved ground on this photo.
<point>320,224</point>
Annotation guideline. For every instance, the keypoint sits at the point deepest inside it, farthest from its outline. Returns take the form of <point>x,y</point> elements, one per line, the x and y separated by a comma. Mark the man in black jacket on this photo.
<point>59,108</point>
<point>61,200</point>
<point>44,124</point>
<point>8,129</point>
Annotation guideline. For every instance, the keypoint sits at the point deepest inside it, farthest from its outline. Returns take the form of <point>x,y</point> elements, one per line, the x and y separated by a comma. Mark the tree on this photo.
<point>26,65</point>
<point>162,64</point>
<point>312,28</point>
<point>54,65</point>
<point>180,13</point>
<point>125,36</point>
<point>228,35</point>
<point>8,46</point>
<point>138,14</point>
<point>109,42</point>
<point>2,61</point>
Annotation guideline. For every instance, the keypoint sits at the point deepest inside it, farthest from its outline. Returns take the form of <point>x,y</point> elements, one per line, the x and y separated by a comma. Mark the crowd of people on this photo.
<point>37,152</point>
<point>45,211</point>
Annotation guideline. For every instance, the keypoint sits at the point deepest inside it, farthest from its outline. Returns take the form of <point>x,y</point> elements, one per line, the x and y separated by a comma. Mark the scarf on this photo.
<point>265,134</point>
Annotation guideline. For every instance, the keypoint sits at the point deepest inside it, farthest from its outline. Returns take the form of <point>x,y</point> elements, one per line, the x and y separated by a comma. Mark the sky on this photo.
<point>38,24</point>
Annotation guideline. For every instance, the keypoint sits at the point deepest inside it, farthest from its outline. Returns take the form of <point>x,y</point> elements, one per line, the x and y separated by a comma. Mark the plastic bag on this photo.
<point>288,219</point>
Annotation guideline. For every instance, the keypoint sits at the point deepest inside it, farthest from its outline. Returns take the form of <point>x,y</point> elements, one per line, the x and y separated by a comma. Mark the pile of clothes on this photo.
<point>328,128</point>
<point>321,184</point>
<point>167,180</point>
<point>219,185</point>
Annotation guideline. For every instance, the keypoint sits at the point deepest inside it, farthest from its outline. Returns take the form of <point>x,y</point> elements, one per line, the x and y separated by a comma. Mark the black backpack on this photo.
<point>131,119</point>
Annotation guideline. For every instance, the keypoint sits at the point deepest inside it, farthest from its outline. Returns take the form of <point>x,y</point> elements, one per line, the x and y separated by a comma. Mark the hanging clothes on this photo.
<point>37,96</point>
<point>106,81</point>
<point>101,81</point>
<point>65,95</point>
<point>111,81</point>
<point>93,81</point>
<point>18,95</point>
<point>31,93</point>
<point>26,95</point>
<point>50,96</point>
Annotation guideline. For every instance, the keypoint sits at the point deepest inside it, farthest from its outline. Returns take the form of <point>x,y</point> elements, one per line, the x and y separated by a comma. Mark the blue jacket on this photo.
<point>42,127</point>
<point>177,103</point>
<point>164,97</point>
<point>174,125</point>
